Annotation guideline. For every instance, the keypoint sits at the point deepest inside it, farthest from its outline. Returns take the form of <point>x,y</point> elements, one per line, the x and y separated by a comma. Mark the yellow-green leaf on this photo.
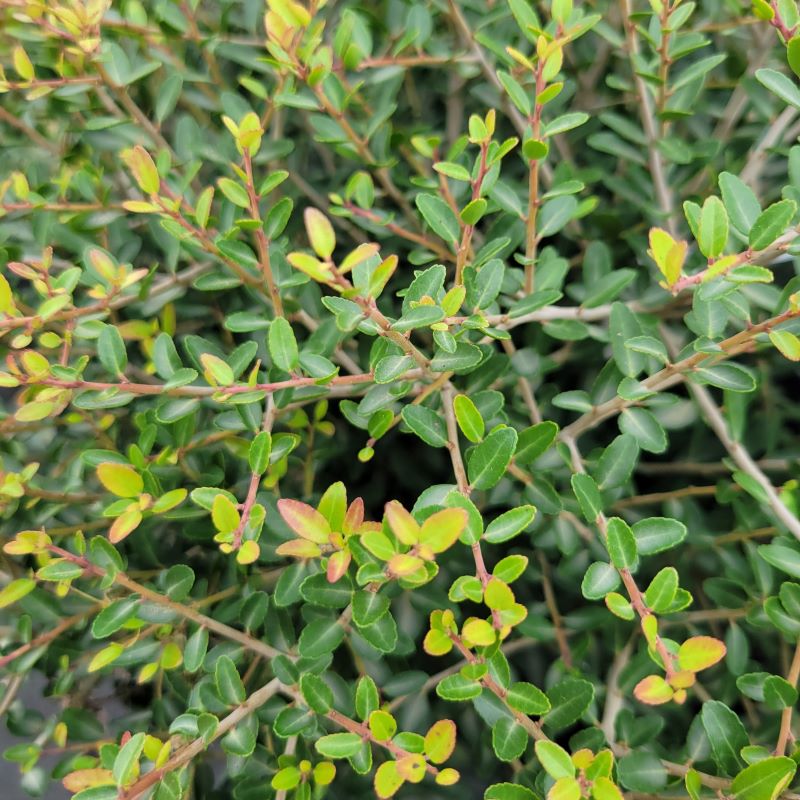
<point>498,595</point>
<point>441,530</point>
<point>22,64</point>
<point>382,725</point>
<point>447,777</point>
<point>469,418</point>
<point>248,552</point>
<point>788,344</point>
<point>224,514</point>
<point>120,479</point>
<point>216,370</point>
<point>700,652</point>
<point>6,296</point>
<point>144,170</point>
<point>82,779</point>
<point>125,524</point>
<point>16,590</point>
<point>565,789</point>
<point>403,525</point>
<point>387,780</point>
<point>478,632</point>
<point>653,690</point>
<point>320,232</point>
<point>106,656</point>
<point>33,412</point>
<point>605,789</point>
<point>304,520</point>
<point>440,741</point>
<point>299,548</point>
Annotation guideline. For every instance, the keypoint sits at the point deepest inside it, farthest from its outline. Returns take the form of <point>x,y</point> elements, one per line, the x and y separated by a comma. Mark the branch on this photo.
<point>675,373</point>
<point>187,753</point>
<point>647,113</point>
<point>121,579</point>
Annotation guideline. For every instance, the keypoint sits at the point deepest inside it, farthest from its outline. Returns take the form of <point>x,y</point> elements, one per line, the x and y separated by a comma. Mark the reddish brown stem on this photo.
<point>262,243</point>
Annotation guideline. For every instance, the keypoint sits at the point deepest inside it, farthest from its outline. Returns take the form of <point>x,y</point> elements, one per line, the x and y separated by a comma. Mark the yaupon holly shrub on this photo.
<point>400,393</point>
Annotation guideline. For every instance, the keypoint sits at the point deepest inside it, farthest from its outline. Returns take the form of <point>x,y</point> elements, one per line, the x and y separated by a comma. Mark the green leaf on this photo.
<point>623,326</point>
<point>234,192</point>
<point>589,498</point>
<point>127,760</point>
<point>780,85</point>
<point>740,202</point>
<point>793,54</point>
<point>458,688</point>
<point>555,214</point>
<point>600,579</point>
<point>656,534</point>
<point>509,524</point>
<point>390,368</point>
<point>229,684</point>
<point>366,697</point>
<point>316,693</point>
<point>338,745</point>
<point>111,350</point>
<point>621,544</point>
<point>259,452</point>
<point>452,170</point>
<point>712,234</point>
<point>58,570</point>
<point>642,772</point>
<point>473,212</point>
<point>194,651</point>
<point>779,693</point>
<point>527,698</point>
<point>320,637</point>
<point>369,607</point>
<point>282,345</point>
<point>489,460</point>
<point>569,699</point>
<point>645,428</point>
<point>617,462</point>
<point>508,791</point>
<point>726,734</point>
<point>771,223</point>
<point>419,317</point>
<point>519,97</point>
<point>509,739</point>
<point>469,418</point>
<point>534,441</point>
<point>732,377</point>
<point>661,591</point>
<point>426,423</point>
<point>781,557</point>
<point>764,780</point>
<point>556,761</point>
<point>462,359</point>
<point>113,617</point>
<point>317,589</point>
<point>439,216</point>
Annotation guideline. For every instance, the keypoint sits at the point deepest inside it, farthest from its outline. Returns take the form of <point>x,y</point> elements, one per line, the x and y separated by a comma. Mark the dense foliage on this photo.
<point>400,392</point>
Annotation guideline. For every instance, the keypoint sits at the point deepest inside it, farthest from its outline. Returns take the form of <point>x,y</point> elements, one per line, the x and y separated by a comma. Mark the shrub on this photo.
<point>374,413</point>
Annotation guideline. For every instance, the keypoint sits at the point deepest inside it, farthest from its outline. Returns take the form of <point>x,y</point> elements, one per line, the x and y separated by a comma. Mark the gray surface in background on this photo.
<point>31,696</point>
